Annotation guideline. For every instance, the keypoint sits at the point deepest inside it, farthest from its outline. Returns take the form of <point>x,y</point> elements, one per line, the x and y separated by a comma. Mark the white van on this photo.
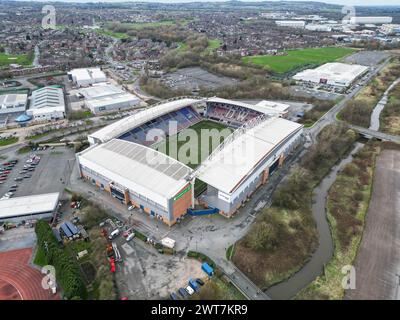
<point>130,237</point>
<point>113,234</point>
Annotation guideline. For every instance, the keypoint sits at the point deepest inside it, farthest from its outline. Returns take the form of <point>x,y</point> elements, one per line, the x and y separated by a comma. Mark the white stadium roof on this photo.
<point>338,74</point>
<point>124,125</point>
<point>226,168</point>
<point>28,205</point>
<point>138,168</point>
<point>263,108</point>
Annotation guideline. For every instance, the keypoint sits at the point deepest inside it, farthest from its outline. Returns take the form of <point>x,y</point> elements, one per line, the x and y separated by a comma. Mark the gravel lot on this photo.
<point>366,58</point>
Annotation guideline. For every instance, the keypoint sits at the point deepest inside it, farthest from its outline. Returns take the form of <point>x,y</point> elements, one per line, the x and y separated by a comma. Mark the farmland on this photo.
<point>295,59</point>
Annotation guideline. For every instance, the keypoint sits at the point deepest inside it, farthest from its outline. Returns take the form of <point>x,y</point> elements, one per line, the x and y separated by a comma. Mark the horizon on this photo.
<point>365,3</point>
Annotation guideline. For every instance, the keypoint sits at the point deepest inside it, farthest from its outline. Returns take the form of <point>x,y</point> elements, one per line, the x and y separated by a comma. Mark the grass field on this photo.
<point>22,59</point>
<point>192,148</point>
<point>8,141</point>
<point>299,58</point>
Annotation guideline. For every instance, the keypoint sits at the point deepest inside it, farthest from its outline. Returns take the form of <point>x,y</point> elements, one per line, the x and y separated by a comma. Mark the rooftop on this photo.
<point>47,97</point>
<point>28,205</point>
<point>233,163</point>
<point>137,168</point>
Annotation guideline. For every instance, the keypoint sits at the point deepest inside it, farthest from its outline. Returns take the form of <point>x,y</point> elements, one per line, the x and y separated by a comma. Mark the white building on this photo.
<point>370,20</point>
<point>13,103</point>
<point>281,109</point>
<point>335,74</point>
<point>32,207</point>
<point>47,104</point>
<point>390,29</point>
<point>106,97</point>
<point>318,27</point>
<point>291,23</point>
<point>86,76</point>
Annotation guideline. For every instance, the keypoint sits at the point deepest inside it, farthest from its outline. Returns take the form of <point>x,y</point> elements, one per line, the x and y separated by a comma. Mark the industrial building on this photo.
<point>122,163</point>
<point>86,76</point>
<point>390,29</point>
<point>291,23</point>
<point>47,103</point>
<point>10,103</point>
<point>34,207</point>
<point>334,74</point>
<point>370,20</point>
<point>107,97</point>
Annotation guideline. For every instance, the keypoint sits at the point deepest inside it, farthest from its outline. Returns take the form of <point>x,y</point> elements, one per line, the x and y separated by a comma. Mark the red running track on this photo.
<point>18,280</point>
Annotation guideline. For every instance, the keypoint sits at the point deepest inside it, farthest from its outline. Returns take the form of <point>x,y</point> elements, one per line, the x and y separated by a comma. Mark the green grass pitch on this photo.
<point>194,144</point>
<point>299,58</point>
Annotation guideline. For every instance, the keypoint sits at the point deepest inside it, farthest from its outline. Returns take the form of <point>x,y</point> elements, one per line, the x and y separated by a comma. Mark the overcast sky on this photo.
<point>341,2</point>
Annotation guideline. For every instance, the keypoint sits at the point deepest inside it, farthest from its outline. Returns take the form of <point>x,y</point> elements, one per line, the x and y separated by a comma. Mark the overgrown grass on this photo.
<point>40,257</point>
<point>390,116</point>
<point>358,110</point>
<point>347,204</point>
<point>284,236</point>
<point>8,141</point>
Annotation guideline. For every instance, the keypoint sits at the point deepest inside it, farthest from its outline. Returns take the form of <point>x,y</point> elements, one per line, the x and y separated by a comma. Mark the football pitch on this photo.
<point>194,144</point>
<point>298,58</point>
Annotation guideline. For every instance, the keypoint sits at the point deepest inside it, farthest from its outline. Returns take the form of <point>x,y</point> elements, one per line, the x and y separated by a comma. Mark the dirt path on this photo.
<point>378,261</point>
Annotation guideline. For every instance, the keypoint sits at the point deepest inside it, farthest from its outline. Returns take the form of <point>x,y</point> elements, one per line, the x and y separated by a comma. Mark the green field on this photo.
<point>192,150</point>
<point>299,58</point>
<point>21,59</point>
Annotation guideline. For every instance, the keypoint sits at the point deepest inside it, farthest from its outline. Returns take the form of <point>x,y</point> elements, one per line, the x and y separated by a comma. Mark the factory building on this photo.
<point>47,103</point>
<point>10,103</point>
<point>86,76</point>
<point>291,23</point>
<point>370,20</point>
<point>35,207</point>
<point>334,74</point>
<point>107,97</point>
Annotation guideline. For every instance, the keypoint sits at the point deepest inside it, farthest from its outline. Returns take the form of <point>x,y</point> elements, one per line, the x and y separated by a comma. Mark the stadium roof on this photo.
<point>124,125</point>
<point>259,107</point>
<point>138,168</point>
<point>226,168</point>
<point>339,74</point>
<point>28,205</point>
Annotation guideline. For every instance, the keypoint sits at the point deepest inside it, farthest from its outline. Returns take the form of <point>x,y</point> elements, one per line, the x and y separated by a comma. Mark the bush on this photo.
<point>67,273</point>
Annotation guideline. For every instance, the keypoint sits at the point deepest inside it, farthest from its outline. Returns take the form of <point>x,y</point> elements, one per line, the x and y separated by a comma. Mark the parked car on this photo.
<point>18,179</point>
<point>189,290</point>
<point>173,296</point>
<point>183,292</point>
<point>130,237</point>
<point>200,282</point>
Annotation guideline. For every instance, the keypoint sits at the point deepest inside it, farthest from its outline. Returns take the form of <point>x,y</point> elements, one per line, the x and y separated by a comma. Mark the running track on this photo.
<point>18,280</point>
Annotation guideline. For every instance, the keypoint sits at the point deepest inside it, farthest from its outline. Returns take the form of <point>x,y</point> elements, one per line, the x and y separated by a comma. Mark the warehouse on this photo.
<point>86,76</point>
<point>334,74</point>
<point>238,168</point>
<point>139,176</point>
<point>107,97</point>
<point>370,20</point>
<point>300,24</point>
<point>47,104</point>
<point>10,103</point>
<point>35,207</point>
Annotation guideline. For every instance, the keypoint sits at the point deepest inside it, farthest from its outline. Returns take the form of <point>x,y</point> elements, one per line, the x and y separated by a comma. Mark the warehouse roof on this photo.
<point>138,168</point>
<point>111,99</point>
<point>47,97</point>
<point>335,73</point>
<point>100,90</point>
<point>29,205</point>
<point>124,125</point>
<point>232,163</point>
<point>13,100</point>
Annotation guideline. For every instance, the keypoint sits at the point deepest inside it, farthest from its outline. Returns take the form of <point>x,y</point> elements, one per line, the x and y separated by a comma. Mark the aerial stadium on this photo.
<point>190,156</point>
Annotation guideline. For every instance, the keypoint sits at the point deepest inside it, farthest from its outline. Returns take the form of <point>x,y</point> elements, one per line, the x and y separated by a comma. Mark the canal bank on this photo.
<point>324,252</point>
